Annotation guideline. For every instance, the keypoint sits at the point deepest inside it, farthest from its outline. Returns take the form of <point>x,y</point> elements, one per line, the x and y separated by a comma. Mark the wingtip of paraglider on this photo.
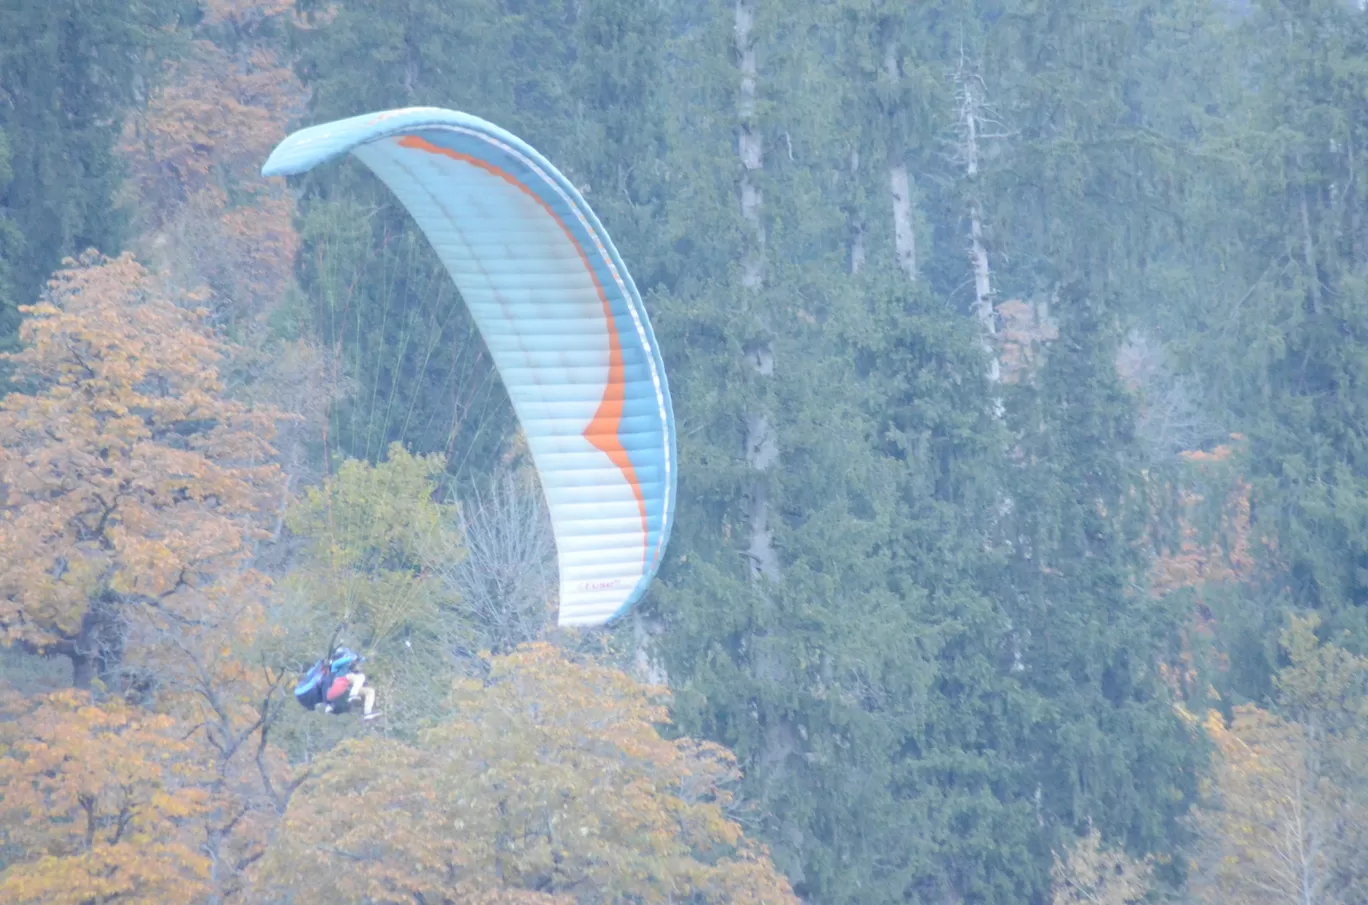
<point>303,150</point>
<point>294,156</point>
<point>286,160</point>
<point>269,170</point>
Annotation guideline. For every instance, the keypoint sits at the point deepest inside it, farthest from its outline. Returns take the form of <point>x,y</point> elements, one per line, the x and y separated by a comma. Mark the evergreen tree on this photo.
<point>1291,360</point>
<point>859,674</point>
<point>1105,746</point>
<point>1079,209</point>
<point>66,69</point>
<point>1271,326</point>
<point>408,363</point>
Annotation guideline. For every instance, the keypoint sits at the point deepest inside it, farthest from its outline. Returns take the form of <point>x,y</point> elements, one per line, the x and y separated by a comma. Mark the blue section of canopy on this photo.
<point>562,320</point>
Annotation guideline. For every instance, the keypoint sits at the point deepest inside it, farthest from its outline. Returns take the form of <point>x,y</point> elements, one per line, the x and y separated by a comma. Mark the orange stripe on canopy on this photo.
<point>602,430</point>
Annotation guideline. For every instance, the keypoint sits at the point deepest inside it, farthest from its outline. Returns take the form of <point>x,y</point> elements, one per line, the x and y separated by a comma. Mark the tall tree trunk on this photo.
<point>904,239</point>
<point>97,650</point>
<point>971,107</point>
<point>779,737</point>
<point>1308,242</point>
<point>82,671</point>
<point>646,662</point>
<point>762,450</point>
<point>857,225</point>
<point>971,120</point>
<point>1351,200</point>
<point>900,185</point>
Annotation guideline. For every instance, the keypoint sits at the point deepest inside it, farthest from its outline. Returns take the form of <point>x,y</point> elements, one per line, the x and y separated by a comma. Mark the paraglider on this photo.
<point>332,685</point>
<point>564,325</point>
<point>347,688</point>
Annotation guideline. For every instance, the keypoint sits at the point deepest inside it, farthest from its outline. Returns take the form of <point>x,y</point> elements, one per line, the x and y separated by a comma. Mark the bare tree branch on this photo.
<point>503,565</point>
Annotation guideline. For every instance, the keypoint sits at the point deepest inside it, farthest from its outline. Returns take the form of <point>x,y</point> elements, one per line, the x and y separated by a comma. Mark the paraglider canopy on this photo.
<point>563,322</point>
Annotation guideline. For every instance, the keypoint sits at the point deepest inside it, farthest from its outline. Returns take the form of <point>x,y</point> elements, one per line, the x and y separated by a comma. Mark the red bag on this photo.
<point>340,686</point>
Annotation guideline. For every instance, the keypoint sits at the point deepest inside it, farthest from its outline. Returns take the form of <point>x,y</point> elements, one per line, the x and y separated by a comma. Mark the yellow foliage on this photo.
<point>1323,683</point>
<point>129,479</point>
<point>1267,839</point>
<point>1289,791</point>
<point>1092,875</point>
<point>551,785</point>
<point>104,802</point>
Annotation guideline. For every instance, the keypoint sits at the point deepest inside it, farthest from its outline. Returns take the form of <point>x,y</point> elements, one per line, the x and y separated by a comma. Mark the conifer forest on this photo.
<point>1018,360</point>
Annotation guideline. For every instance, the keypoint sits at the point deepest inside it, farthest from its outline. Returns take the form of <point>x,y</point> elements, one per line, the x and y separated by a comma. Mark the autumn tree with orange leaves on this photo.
<point>99,803</point>
<point>1206,548</point>
<point>133,496</point>
<point>1226,551</point>
<point>101,800</point>
<point>551,785</point>
<point>211,223</point>
<point>131,486</point>
<point>195,155</point>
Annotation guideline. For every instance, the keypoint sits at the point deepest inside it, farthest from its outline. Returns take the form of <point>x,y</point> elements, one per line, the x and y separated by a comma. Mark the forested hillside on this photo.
<point>1019,361</point>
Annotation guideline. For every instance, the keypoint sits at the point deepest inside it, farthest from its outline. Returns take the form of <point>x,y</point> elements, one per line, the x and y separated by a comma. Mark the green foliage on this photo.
<point>412,367</point>
<point>368,530</point>
<point>11,248</point>
<point>1278,341</point>
<point>371,533</point>
<point>1325,686</point>
<point>1306,413</point>
<point>66,69</point>
<point>956,672</point>
<point>1108,745</point>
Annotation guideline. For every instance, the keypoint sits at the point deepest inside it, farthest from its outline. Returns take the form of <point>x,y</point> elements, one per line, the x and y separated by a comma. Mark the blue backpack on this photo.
<point>311,689</point>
